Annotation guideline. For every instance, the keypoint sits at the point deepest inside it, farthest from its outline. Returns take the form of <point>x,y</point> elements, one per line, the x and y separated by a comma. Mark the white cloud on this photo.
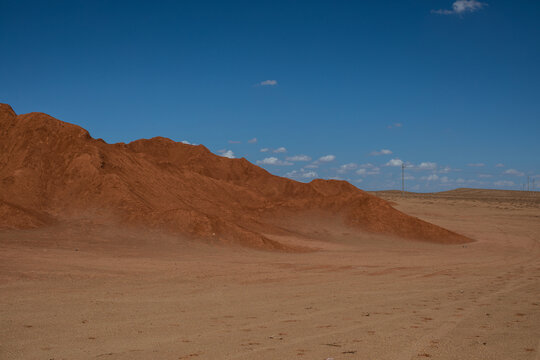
<point>431,177</point>
<point>395,125</point>
<point>265,150</point>
<point>394,162</point>
<point>514,172</point>
<point>461,7</point>
<point>361,171</point>
<point>477,165</point>
<point>292,174</point>
<point>226,153</point>
<point>234,142</point>
<point>309,174</point>
<point>311,166</point>
<point>185,142</point>
<point>302,174</point>
<point>372,170</point>
<point>504,183</point>
<point>299,158</point>
<point>366,166</point>
<point>499,165</point>
<point>327,158</point>
<point>268,83</point>
<point>252,141</point>
<point>347,167</point>
<point>427,166</point>
<point>445,170</point>
<point>273,161</point>
<point>448,181</point>
<point>280,150</point>
<point>381,152</point>
<point>484,176</point>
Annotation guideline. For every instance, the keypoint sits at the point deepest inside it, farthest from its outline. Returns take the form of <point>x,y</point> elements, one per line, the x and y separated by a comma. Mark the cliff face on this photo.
<point>51,170</point>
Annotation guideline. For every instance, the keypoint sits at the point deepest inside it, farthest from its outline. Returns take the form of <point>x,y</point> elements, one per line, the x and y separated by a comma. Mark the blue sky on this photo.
<point>451,88</point>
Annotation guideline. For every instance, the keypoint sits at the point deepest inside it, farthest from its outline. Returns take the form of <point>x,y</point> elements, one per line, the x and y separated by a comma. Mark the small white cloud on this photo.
<point>252,141</point>
<point>301,174</point>
<point>268,161</point>
<point>432,177</point>
<point>461,7</point>
<point>445,170</point>
<point>226,153</point>
<point>373,170</point>
<point>361,171</point>
<point>504,183</point>
<point>445,179</point>
<point>477,165</point>
<point>395,125</point>
<point>234,142</point>
<point>347,167</point>
<point>299,158</point>
<point>280,150</point>
<point>311,166</point>
<point>394,162</point>
<point>514,172</point>
<point>327,158</point>
<point>185,142</point>
<point>381,152</point>
<point>268,83</point>
<point>366,166</point>
<point>484,176</point>
<point>499,165</point>
<point>309,174</point>
<point>273,161</point>
<point>427,166</point>
<point>292,174</point>
<point>265,150</point>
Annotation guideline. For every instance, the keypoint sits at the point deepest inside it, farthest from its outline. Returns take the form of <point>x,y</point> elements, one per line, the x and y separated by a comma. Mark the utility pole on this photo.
<point>528,183</point>
<point>402,179</point>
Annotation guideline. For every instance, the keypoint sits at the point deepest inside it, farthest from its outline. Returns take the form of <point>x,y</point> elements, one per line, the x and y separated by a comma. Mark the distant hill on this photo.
<point>470,194</point>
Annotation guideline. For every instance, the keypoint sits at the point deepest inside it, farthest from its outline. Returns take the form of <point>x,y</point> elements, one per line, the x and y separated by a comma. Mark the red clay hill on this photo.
<point>52,171</point>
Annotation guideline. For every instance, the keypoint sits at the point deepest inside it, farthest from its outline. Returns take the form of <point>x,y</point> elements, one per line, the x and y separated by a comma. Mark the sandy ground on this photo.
<point>94,292</point>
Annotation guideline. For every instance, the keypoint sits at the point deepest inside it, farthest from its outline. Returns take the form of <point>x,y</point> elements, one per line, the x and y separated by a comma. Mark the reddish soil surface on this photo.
<point>111,292</point>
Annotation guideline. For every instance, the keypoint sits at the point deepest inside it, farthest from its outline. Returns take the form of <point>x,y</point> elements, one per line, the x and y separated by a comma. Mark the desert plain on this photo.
<point>91,291</point>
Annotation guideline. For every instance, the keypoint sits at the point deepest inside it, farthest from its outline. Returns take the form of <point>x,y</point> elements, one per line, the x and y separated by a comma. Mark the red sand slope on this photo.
<point>52,171</point>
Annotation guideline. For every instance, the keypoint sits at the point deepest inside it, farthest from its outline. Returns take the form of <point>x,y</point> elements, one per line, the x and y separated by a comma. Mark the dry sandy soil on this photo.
<point>94,292</point>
